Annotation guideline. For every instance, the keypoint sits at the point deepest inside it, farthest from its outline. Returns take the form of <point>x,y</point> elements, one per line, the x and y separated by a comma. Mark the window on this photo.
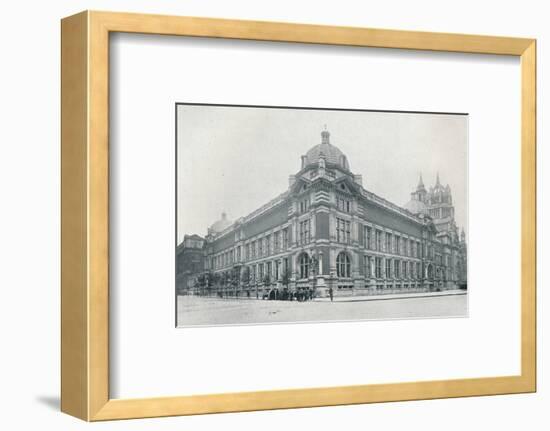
<point>276,246</point>
<point>285,238</point>
<point>367,263</point>
<point>343,230</point>
<point>343,265</point>
<point>268,245</point>
<point>260,247</point>
<point>368,238</point>
<point>378,240</point>
<point>397,245</point>
<point>239,253</point>
<point>261,271</point>
<point>304,232</point>
<point>343,205</point>
<point>304,205</point>
<point>418,272</point>
<point>378,267</point>
<point>388,268</point>
<point>269,270</point>
<point>304,265</point>
<point>388,242</point>
<point>396,269</point>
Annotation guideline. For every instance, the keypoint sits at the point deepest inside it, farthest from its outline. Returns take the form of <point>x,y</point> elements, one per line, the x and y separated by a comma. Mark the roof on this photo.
<point>416,207</point>
<point>329,152</point>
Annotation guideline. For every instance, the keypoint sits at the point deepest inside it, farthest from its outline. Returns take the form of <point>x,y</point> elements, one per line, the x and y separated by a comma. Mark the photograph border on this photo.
<point>85,215</point>
<point>300,108</point>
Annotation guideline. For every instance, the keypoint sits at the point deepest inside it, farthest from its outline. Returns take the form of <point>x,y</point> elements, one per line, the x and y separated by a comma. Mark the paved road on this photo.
<point>215,311</point>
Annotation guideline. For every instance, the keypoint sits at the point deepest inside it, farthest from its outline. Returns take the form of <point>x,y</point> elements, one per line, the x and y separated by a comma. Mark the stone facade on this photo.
<point>327,231</point>
<point>189,262</point>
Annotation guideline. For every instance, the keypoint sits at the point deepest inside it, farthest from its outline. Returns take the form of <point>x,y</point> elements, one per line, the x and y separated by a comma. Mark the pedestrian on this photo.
<point>331,293</point>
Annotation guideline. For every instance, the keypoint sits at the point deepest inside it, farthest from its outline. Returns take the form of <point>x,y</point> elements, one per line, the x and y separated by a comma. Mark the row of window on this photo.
<point>342,204</point>
<point>274,269</point>
<point>378,240</point>
<point>394,268</point>
<point>307,266</point>
<point>266,246</point>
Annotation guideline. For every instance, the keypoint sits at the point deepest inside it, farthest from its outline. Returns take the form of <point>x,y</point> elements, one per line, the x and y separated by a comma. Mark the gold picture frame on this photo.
<point>85,220</point>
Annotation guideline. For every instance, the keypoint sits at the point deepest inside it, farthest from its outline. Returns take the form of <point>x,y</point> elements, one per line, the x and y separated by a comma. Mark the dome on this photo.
<point>332,154</point>
<point>416,207</point>
<point>221,224</point>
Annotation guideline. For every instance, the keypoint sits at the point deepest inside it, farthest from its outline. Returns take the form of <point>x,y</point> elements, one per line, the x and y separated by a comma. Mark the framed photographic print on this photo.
<point>267,215</point>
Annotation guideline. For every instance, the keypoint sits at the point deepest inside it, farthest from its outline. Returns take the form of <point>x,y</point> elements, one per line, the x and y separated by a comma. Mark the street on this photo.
<point>195,310</point>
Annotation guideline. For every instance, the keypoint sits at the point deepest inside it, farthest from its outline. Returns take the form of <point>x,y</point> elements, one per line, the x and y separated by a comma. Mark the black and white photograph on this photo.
<point>290,214</point>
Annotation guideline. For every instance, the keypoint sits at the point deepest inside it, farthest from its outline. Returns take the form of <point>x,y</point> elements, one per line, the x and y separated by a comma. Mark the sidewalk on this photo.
<point>391,296</point>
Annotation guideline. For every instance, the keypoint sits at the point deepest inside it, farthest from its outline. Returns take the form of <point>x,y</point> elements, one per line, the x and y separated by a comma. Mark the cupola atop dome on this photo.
<point>331,154</point>
<point>325,136</point>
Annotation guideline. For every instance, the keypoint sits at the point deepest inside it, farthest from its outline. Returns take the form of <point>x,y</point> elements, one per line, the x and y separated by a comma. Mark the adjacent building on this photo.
<point>327,231</point>
<point>189,262</point>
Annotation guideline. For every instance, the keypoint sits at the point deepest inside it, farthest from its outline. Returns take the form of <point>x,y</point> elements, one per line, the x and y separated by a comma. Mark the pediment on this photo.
<point>346,185</point>
<point>300,185</point>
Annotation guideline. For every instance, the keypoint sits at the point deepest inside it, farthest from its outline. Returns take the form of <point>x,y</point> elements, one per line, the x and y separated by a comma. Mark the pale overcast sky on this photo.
<point>235,159</point>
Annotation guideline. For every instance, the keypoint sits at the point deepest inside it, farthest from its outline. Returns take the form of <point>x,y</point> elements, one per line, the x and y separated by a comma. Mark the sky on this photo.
<point>235,159</point>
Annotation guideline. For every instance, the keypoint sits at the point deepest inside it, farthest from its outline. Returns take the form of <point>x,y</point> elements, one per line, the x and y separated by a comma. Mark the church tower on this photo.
<point>440,206</point>
<point>420,193</point>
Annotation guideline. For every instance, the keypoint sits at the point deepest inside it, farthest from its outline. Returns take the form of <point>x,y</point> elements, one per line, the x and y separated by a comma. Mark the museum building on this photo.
<point>327,231</point>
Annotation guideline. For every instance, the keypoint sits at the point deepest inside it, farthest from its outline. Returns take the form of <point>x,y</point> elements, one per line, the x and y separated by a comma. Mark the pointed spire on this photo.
<point>420,183</point>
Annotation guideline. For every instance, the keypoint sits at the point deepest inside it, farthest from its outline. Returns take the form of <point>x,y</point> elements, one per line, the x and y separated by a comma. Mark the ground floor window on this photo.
<point>378,267</point>
<point>343,265</point>
<point>388,268</point>
<point>366,265</point>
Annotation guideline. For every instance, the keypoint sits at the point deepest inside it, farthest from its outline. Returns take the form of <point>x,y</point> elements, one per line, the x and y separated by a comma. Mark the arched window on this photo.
<point>343,265</point>
<point>304,265</point>
<point>430,271</point>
